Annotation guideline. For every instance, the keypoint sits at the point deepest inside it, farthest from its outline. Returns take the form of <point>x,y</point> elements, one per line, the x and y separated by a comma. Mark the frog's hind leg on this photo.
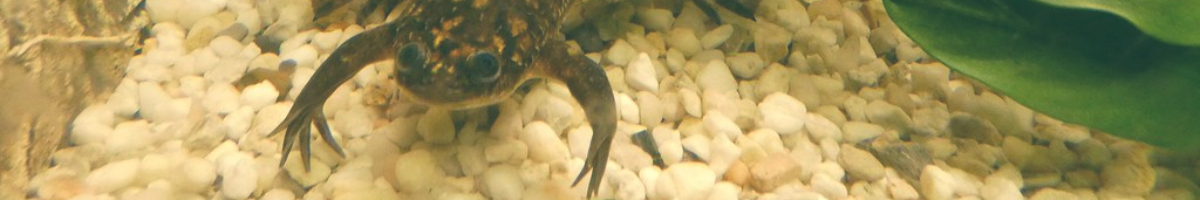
<point>589,85</point>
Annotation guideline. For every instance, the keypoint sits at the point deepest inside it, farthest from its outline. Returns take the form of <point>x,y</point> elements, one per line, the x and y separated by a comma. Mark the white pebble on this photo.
<point>937,184</point>
<point>128,136</point>
<point>724,154</point>
<point>714,38</point>
<point>746,65</point>
<point>356,122</point>
<point>716,76</point>
<point>691,102</point>
<point>997,188</point>
<point>112,176</point>
<point>239,181</point>
<point>543,142</point>
<point>259,95</point>
<point>124,99</point>
<point>692,181</point>
<point>684,40</point>
<point>502,182</point>
<point>641,75</point>
<point>628,109</point>
<point>505,150</point>
<point>721,126</point>
<point>92,125</point>
<point>305,56</point>
<point>620,52</point>
<point>278,194</point>
<point>194,175</point>
<point>656,19</point>
<point>436,126</point>
<point>725,190</point>
<point>221,98</point>
<point>783,113</point>
<point>698,144</point>
<point>829,187</point>
<point>417,171</point>
<point>859,131</point>
<point>860,164</point>
<point>237,123</point>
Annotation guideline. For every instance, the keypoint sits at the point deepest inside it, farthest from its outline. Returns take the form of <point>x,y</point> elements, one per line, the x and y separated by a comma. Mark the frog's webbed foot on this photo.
<point>298,125</point>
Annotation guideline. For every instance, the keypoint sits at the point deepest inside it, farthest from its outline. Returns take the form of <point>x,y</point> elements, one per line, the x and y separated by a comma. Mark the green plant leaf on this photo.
<point>1081,66</point>
<point>1172,21</point>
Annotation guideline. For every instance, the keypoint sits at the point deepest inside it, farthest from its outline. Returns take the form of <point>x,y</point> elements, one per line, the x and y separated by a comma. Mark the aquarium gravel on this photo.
<point>831,101</point>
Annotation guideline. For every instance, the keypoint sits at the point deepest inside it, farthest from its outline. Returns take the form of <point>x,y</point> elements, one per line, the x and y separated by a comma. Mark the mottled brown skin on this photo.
<point>463,54</point>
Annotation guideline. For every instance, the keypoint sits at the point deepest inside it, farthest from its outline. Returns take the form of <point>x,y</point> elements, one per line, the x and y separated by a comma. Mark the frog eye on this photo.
<point>483,67</point>
<point>410,55</point>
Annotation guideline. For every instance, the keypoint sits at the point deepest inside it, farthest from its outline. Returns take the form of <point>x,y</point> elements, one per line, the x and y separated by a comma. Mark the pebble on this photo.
<point>436,127</point>
<point>887,115</point>
<point>829,187</point>
<point>692,181</point>
<point>968,126</point>
<point>278,194</point>
<point>725,190</point>
<point>771,41</point>
<point>543,143</point>
<point>656,19</point>
<point>937,184</point>
<point>855,132</point>
<point>684,39</point>
<point>628,108</point>
<point>783,113</point>
<point>716,76</point>
<point>746,65</point>
<point>650,108</point>
<point>724,154</point>
<point>356,122</point>
<point>417,171</point>
<point>641,75</point>
<point>505,150</point>
<point>691,102</point>
<point>721,126</point>
<point>242,179</point>
<point>503,182</point>
<point>774,171</point>
<point>860,164</point>
<point>621,52</point>
<point>996,187</point>
<point>112,176</point>
<point>717,36</point>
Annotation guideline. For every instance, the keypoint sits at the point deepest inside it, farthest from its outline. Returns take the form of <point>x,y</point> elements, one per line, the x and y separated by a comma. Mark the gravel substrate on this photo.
<point>832,101</point>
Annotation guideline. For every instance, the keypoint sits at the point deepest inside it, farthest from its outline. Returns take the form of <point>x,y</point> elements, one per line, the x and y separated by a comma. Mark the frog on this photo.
<point>463,54</point>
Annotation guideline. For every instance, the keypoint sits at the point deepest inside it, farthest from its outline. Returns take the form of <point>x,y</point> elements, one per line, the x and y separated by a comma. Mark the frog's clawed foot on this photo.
<point>298,126</point>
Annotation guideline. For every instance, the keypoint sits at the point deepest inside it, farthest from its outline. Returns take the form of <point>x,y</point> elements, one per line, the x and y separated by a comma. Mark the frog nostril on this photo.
<point>483,67</point>
<point>410,55</point>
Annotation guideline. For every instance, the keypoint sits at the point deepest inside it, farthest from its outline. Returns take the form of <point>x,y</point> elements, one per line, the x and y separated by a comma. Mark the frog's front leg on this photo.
<point>589,85</point>
<point>370,46</point>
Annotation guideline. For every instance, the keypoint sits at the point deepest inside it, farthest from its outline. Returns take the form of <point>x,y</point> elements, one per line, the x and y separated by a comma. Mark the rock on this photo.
<point>771,41</point>
<point>855,132</point>
<point>783,113</point>
<point>620,53</point>
<point>859,164</point>
<point>887,115</point>
<point>628,108</point>
<point>684,40</point>
<point>691,102</point>
<point>721,126</point>
<point>650,108</point>
<point>112,176</point>
<point>968,126</point>
<point>746,65</point>
<point>724,153</point>
<point>641,75</point>
<point>656,19</point>
<point>1128,176</point>
<point>503,182</point>
<point>716,76</point>
<point>725,190</point>
<point>996,188</point>
<point>436,126</point>
<point>829,187</point>
<point>544,144</point>
<point>505,150</point>
<point>717,36</point>
<point>937,184</point>
<point>1052,194</point>
<point>417,171</point>
<point>692,181</point>
<point>776,170</point>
